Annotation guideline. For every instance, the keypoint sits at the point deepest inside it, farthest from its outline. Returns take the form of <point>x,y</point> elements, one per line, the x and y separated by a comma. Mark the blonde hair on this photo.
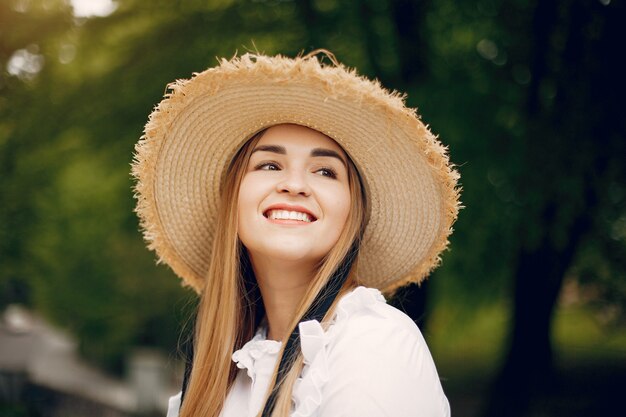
<point>228,310</point>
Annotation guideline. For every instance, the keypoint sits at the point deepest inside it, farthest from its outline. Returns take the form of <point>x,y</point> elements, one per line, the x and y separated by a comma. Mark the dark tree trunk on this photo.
<point>311,21</point>
<point>538,279</point>
<point>371,42</point>
<point>564,143</point>
<point>408,17</point>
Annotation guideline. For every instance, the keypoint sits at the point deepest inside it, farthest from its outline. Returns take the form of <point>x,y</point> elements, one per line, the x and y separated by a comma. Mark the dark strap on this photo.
<point>188,356</point>
<point>316,311</point>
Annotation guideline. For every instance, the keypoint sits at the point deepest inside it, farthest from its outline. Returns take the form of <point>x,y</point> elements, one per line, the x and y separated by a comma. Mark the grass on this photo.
<point>590,359</point>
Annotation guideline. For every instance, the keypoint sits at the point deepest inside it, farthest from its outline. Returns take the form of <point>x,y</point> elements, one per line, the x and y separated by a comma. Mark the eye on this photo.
<point>327,172</point>
<point>267,166</point>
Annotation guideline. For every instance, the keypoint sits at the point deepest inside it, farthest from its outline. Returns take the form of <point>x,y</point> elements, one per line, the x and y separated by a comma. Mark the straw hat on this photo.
<point>195,131</point>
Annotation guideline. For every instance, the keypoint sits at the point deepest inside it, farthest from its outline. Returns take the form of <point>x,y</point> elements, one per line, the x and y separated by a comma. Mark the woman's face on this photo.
<point>294,198</point>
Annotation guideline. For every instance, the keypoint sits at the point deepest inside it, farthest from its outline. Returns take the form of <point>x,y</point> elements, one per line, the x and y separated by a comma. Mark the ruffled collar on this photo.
<point>262,352</point>
<point>257,352</point>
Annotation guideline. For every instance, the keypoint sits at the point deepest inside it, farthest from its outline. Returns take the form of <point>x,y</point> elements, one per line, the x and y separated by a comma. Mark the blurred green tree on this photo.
<point>21,60</point>
<point>527,94</point>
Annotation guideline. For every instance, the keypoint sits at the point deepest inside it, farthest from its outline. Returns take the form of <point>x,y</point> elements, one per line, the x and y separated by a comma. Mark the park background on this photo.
<point>525,317</point>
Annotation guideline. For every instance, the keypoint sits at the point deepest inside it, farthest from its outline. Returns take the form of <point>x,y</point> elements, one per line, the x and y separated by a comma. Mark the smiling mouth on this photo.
<point>289,215</point>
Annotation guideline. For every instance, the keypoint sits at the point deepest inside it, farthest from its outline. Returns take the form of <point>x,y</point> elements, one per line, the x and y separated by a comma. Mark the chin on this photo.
<point>294,254</point>
<point>289,252</point>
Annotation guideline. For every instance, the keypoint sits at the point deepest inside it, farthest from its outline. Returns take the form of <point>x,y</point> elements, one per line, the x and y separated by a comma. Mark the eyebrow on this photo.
<point>314,152</point>
<point>271,148</point>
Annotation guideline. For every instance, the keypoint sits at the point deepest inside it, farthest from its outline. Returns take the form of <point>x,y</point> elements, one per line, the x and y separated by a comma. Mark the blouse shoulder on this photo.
<point>174,405</point>
<point>371,360</point>
<point>369,329</point>
<point>368,307</point>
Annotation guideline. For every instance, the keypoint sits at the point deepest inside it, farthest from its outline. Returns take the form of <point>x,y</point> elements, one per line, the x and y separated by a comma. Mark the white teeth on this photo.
<point>288,215</point>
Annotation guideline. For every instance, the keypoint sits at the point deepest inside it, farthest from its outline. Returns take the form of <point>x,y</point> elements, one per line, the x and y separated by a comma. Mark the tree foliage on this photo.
<point>527,95</point>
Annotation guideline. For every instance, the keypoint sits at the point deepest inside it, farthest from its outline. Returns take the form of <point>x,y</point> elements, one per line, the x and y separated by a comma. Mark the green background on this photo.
<point>526,315</point>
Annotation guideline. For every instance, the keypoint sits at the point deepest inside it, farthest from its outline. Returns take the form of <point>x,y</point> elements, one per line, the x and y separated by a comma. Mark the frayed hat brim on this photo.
<point>194,132</point>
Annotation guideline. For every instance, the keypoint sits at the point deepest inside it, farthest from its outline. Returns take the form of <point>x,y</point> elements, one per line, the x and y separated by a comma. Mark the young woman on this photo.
<point>289,194</point>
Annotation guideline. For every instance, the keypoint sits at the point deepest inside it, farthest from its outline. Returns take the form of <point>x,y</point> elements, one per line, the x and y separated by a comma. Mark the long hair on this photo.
<point>230,304</point>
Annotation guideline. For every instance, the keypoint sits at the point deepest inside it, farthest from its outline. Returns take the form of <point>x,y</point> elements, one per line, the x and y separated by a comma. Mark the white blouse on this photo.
<point>371,361</point>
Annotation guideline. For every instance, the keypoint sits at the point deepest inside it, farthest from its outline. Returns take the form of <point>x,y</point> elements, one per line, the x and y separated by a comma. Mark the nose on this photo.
<point>295,183</point>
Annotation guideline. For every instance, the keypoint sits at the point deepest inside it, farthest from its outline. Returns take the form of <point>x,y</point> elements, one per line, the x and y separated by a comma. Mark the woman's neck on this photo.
<point>283,285</point>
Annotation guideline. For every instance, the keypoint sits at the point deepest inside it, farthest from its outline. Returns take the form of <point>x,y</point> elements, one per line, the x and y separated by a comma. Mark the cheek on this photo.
<point>246,204</point>
<point>341,204</point>
<point>250,192</point>
<point>345,211</point>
